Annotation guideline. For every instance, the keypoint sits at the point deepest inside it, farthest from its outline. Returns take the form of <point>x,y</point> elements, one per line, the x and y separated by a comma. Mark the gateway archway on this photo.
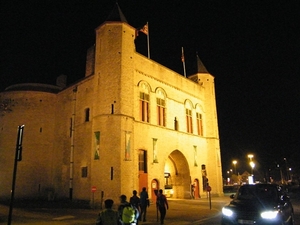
<point>177,176</point>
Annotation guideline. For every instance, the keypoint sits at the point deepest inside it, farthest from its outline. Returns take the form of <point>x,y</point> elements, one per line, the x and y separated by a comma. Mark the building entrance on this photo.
<point>177,176</point>
<point>195,189</point>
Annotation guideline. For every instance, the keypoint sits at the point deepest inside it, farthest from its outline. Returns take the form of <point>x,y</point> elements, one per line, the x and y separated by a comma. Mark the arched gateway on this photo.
<point>177,176</point>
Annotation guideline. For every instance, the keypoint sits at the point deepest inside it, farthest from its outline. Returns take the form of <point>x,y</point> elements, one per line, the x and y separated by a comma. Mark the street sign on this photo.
<point>94,189</point>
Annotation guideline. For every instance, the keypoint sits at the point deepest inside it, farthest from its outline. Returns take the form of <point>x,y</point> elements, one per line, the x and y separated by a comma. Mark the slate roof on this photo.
<point>200,66</point>
<point>116,15</point>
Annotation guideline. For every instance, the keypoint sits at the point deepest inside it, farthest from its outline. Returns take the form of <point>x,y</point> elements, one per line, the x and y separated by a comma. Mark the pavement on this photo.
<point>181,212</point>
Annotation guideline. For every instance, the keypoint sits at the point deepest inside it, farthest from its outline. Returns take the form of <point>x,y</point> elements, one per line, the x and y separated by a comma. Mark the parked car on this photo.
<point>259,204</point>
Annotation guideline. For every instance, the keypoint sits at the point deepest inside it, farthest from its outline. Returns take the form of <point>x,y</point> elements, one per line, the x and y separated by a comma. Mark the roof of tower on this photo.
<point>116,14</point>
<point>200,67</point>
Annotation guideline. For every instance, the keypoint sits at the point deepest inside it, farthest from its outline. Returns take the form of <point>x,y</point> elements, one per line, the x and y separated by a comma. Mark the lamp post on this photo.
<point>287,170</point>
<point>252,164</point>
<point>228,177</point>
<point>234,163</point>
<point>250,156</point>
<point>229,174</point>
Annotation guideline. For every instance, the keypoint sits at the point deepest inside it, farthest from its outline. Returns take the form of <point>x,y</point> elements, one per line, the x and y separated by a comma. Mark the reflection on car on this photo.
<point>259,204</point>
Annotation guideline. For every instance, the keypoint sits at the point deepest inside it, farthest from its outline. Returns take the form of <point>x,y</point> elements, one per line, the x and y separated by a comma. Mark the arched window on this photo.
<point>189,118</point>
<point>161,107</point>
<point>144,102</point>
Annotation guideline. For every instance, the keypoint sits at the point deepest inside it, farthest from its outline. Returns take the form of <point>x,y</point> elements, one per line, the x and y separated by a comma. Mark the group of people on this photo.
<point>130,213</point>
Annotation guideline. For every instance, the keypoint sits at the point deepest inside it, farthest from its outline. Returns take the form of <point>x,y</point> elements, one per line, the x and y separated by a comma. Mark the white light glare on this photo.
<point>269,214</point>
<point>227,212</point>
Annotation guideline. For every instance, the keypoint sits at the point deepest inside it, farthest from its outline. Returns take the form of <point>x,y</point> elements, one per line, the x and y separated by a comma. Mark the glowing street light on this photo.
<point>234,163</point>
<point>250,156</point>
<point>252,164</point>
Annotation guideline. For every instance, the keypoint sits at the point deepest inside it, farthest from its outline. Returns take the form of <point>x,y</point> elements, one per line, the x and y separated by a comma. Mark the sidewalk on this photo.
<point>181,212</point>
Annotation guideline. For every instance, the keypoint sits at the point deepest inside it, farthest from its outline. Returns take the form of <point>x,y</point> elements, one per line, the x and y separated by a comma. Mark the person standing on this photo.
<point>162,204</point>
<point>193,191</point>
<point>108,216</point>
<point>144,198</point>
<point>128,214</point>
<point>136,203</point>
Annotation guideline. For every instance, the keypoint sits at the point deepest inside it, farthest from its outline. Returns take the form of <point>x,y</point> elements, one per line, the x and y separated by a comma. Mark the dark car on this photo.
<point>259,204</point>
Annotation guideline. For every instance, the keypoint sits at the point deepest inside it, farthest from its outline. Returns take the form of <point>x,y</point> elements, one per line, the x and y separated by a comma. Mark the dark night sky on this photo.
<point>251,47</point>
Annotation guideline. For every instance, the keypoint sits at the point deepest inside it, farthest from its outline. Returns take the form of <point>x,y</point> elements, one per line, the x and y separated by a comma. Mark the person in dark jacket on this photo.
<point>108,216</point>
<point>135,202</point>
<point>144,198</point>
<point>162,204</point>
<point>124,203</point>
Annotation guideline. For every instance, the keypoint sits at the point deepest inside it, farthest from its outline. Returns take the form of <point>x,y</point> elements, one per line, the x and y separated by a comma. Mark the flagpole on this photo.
<point>148,42</point>
<point>183,61</point>
<point>145,30</point>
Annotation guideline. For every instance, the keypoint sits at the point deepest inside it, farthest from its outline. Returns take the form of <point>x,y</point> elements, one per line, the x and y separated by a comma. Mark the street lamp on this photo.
<point>287,170</point>
<point>250,156</point>
<point>252,164</point>
<point>251,177</point>
<point>234,163</point>
<point>228,177</point>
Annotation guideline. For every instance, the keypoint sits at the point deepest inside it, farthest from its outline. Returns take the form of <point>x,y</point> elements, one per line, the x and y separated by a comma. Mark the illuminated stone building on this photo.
<point>129,123</point>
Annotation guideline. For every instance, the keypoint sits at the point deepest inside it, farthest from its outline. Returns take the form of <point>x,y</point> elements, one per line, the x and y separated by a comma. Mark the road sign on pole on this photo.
<point>94,189</point>
<point>18,157</point>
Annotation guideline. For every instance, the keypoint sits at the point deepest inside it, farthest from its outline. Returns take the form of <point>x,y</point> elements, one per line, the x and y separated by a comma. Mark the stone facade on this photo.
<point>124,126</point>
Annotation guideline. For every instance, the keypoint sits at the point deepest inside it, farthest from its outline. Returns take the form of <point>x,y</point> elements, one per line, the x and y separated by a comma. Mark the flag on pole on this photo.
<point>144,29</point>
<point>183,61</point>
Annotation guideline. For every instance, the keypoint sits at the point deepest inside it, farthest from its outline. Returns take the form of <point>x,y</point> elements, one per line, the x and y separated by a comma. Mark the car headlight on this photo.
<point>269,214</point>
<point>227,212</point>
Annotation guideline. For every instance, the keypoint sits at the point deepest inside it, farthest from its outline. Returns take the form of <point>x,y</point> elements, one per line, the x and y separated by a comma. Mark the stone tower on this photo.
<point>206,80</point>
<point>113,111</point>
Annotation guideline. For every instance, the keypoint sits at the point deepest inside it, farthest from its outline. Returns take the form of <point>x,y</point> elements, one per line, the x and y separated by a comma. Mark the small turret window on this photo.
<point>87,114</point>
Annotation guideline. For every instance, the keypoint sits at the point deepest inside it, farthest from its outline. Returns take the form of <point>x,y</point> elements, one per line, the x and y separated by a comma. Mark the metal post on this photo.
<point>93,200</point>
<point>183,61</point>
<point>18,157</point>
<point>209,196</point>
<point>101,201</point>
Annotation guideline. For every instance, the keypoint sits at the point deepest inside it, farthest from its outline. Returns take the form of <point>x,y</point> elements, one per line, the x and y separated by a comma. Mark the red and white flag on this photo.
<point>145,29</point>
